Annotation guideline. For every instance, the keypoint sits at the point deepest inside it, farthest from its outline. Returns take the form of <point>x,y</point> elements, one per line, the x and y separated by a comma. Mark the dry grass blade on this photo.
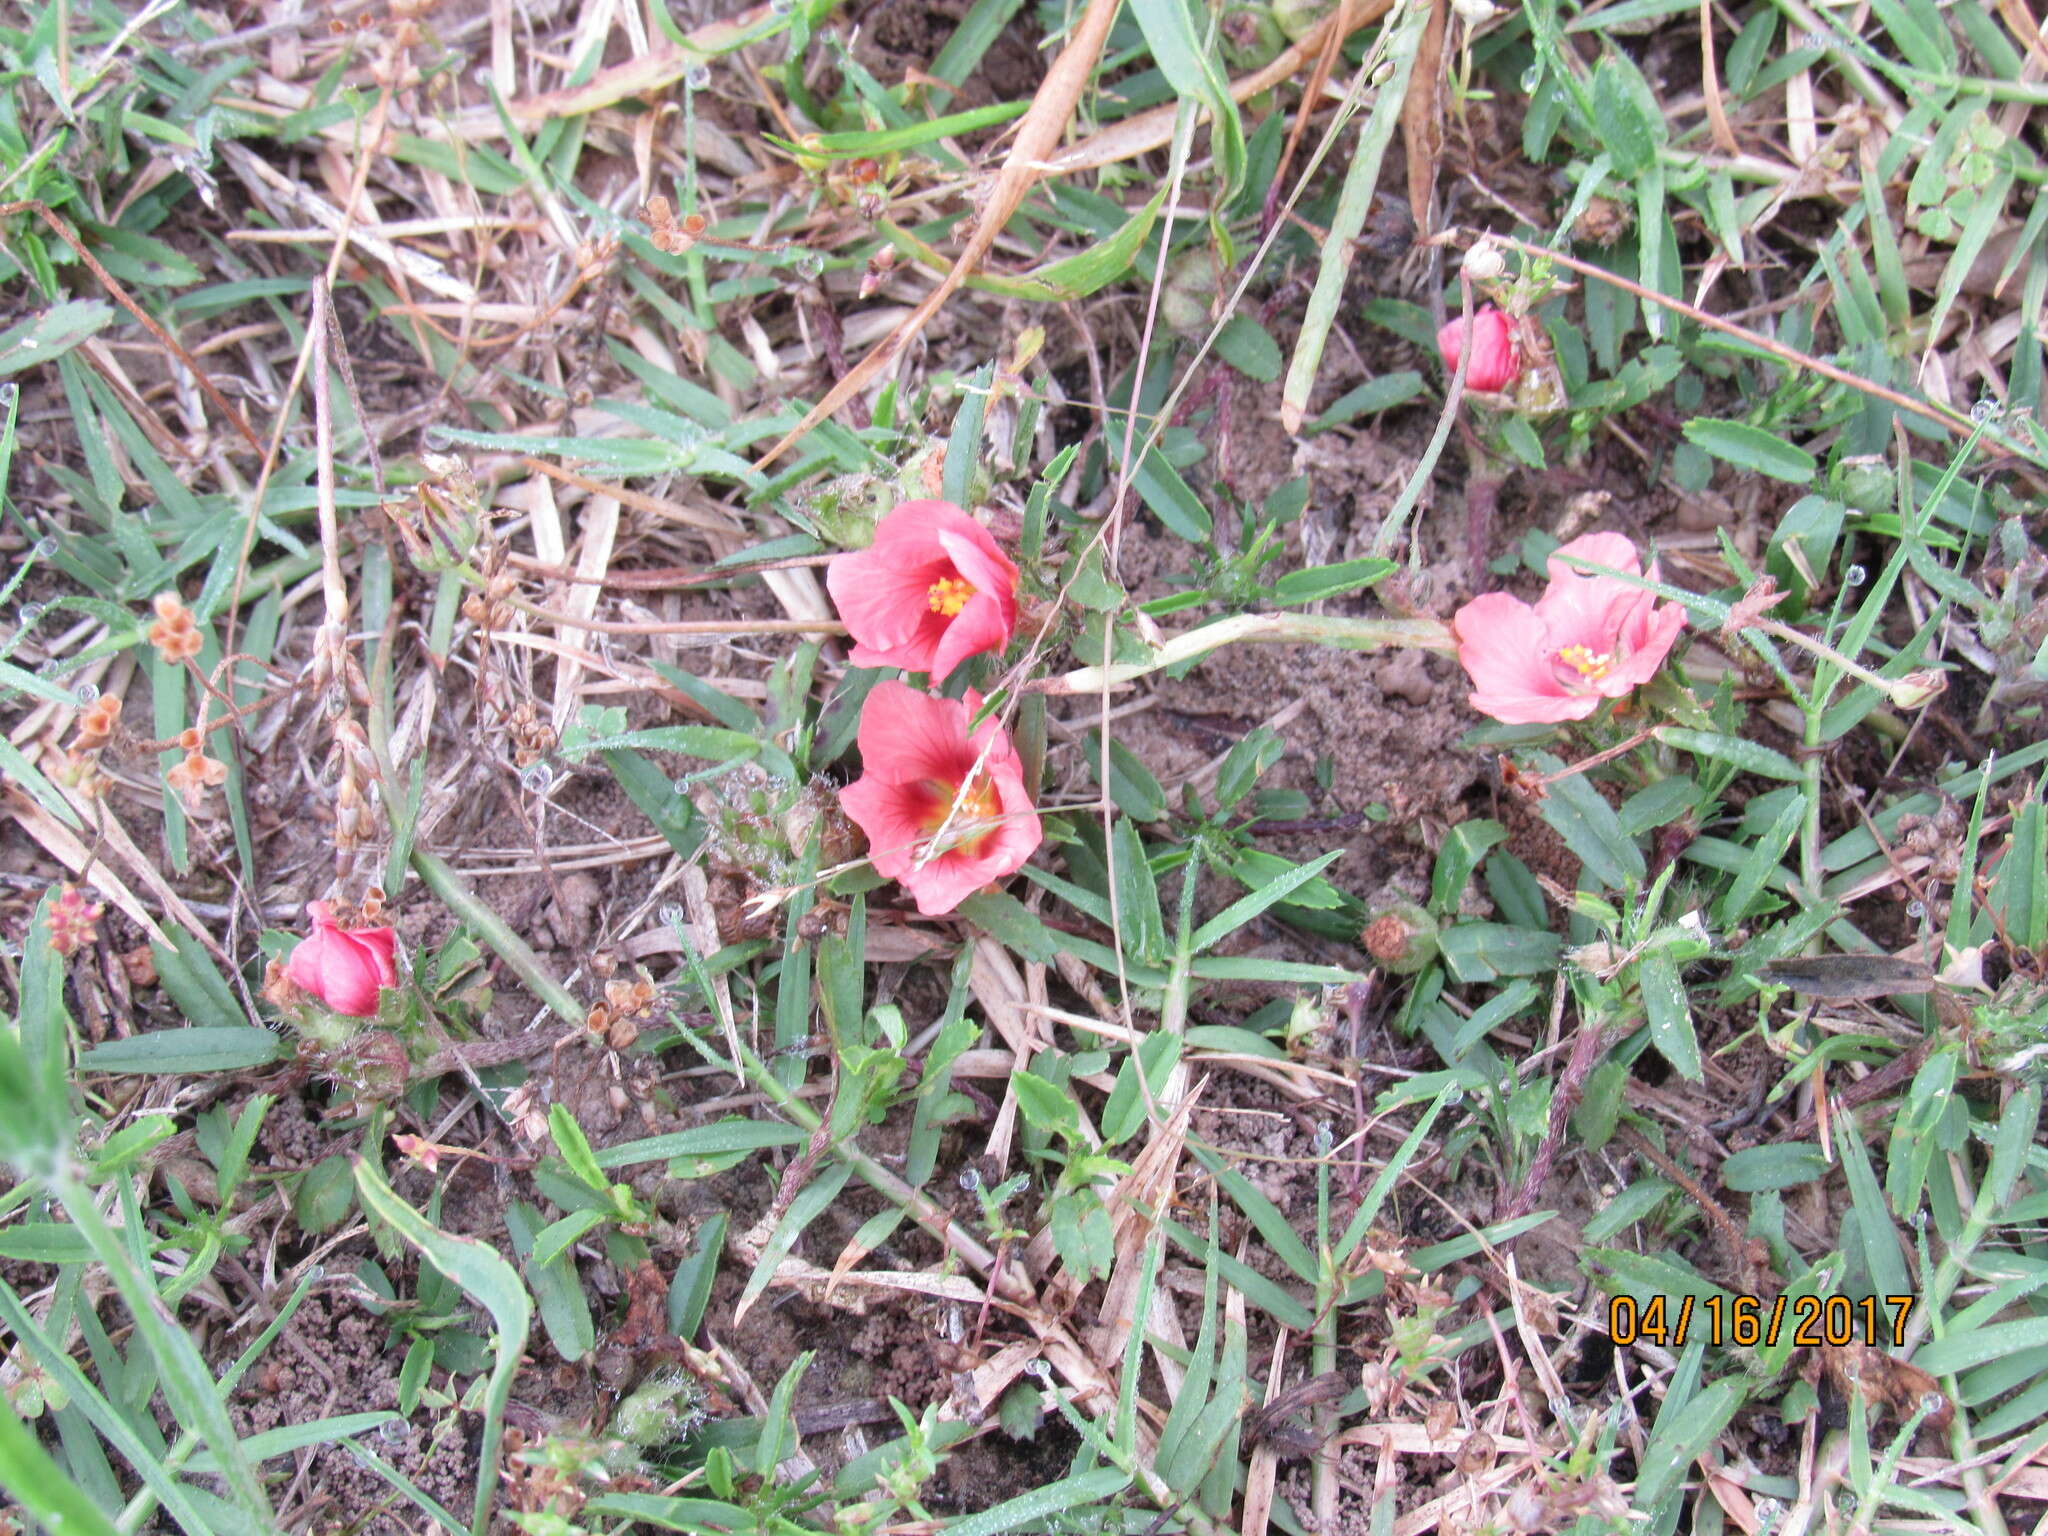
<point>1051,109</point>
<point>1422,125</point>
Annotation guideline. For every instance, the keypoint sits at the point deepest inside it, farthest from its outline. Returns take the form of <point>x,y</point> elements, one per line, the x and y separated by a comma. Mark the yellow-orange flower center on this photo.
<point>967,813</point>
<point>1589,664</point>
<point>948,595</point>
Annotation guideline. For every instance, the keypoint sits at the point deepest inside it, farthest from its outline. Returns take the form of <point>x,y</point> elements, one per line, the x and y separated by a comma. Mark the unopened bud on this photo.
<point>1484,262</point>
<point>1917,688</point>
<point>1401,938</point>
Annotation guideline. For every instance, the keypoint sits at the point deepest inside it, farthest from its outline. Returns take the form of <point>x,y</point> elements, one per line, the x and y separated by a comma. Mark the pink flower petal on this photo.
<point>1495,358</point>
<point>882,599</point>
<point>1505,649</point>
<point>978,627</point>
<point>907,736</point>
<point>894,817</point>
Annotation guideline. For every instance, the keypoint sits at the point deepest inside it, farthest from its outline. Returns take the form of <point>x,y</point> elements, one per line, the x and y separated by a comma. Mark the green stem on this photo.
<point>1335,630</point>
<point>494,931</point>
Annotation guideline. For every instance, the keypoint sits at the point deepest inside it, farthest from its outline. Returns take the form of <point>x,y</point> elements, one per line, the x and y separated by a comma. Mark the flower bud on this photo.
<point>1495,359</point>
<point>344,968</point>
<point>1401,938</point>
<point>1917,688</point>
<point>1484,262</point>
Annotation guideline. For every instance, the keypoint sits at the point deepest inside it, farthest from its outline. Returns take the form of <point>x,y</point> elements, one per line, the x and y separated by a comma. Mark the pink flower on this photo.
<point>1588,638</point>
<point>344,967</point>
<point>1495,360</point>
<point>931,591</point>
<point>945,812</point>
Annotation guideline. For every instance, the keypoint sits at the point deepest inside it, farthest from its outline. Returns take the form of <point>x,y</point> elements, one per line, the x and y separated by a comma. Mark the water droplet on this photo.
<point>809,265</point>
<point>1855,575</point>
<point>697,77</point>
<point>1916,909</point>
<point>782,7</point>
<point>1531,78</point>
<point>86,693</point>
<point>1042,1369</point>
<point>1454,1096</point>
<point>1324,1139</point>
<point>970,1178</point>
<point>436,438</point>
<point>681,786</point>
<point>1986,410</point>
<point>46,548</point>
<point>536,778</point>
<point>1932,1401</point>
<point>393,1432</point>
<point>672,915</point>
<point>8,394</point>
<point>30,614</point>
<point>316,1274</point>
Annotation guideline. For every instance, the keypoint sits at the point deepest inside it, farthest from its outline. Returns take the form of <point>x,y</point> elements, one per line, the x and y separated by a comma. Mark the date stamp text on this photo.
<point>1753,1322</point>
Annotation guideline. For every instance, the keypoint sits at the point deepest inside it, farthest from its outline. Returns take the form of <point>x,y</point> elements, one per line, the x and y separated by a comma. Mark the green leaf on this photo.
<point>1670,1016</point>
<point>1739,752</point>
<point>1629,129</point>
<point>1320,581</point>
<point>207,1048</point>
<point>45,337</point>
<point>1776,1165</point>
<point>1044,1107</point>
<point>1249,906</point>
<point>1195,72</point>
<point>1131,784</point>
<point>733,1134</point>
<point>28,1474</point>
<point>1580,815</point>
<point>1143,928</point>
<point>1681,1435</point>
<point>1246,346</point>
<point>1374,395</point>
<point>1752,448</point>
<point>1013,925</point>
<point>1034,1511</point>
<point>493,1284</point>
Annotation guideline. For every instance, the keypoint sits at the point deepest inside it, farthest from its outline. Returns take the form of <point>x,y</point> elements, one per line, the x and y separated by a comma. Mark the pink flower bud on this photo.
<point>345,968</point>
<point>1495,360</point>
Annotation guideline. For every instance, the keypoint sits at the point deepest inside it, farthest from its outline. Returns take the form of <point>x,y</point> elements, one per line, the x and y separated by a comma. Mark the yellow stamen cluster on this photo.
<point>1589,664</point>
<point>948,595</point>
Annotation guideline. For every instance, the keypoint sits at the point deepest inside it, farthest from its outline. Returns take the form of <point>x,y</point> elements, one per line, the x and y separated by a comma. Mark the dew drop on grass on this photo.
<point>681,786</point>
<point>809,265</point>
<point>1855,575</point>
<point>1916,909</point>
<point>30,613</point>
<point>1531,78</point>
<point>672,915</point>
<point>1985,410</point>
<point>970,1178</point>
<point>436,439</point>
<point>536,778</point>
<point>86,693</point>
<point>46,548</point>
<point>697,77</point>
<point>782,7</point>
<point>393,1431</point>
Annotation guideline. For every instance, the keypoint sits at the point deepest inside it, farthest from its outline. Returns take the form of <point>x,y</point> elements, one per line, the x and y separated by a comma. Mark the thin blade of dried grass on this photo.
<point>1422,125</point>
<point>1038,131</point>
